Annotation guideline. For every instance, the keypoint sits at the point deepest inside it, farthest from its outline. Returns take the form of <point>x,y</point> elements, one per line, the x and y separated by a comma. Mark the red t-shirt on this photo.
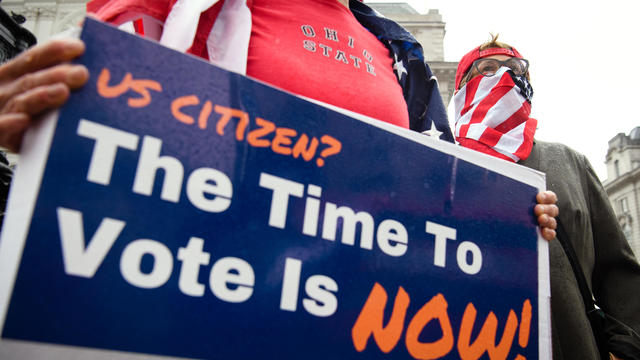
<point>317,49</point>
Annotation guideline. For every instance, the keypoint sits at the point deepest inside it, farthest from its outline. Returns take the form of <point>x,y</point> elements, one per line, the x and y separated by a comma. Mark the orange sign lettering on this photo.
<point>370,324</point>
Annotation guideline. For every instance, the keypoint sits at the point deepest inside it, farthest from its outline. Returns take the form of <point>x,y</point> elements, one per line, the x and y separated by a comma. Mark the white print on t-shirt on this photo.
<point>338,55</point>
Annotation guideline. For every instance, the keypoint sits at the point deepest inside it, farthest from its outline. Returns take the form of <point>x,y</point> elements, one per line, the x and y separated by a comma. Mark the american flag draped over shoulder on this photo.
<point>492,115</point>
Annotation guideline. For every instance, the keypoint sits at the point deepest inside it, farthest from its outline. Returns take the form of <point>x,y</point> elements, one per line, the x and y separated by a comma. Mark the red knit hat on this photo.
<point>475,54</point>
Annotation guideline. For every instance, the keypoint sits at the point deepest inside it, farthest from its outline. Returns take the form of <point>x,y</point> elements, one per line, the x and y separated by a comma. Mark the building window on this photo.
<point>616,168</point>
<point>623,206</point>
<point>625,225</point>
<point>626,230</point>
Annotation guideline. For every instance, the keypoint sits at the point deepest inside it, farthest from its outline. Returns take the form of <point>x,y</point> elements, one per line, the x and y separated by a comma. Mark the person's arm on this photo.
<point>38,80</point>
<point>616,272</point>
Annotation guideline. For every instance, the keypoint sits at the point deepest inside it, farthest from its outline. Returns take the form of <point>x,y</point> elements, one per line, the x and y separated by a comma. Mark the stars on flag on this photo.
<point>433,132</point>
<point>398,66</point>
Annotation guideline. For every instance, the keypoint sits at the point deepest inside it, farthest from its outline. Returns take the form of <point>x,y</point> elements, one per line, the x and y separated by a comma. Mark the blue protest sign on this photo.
<point>178,209</point>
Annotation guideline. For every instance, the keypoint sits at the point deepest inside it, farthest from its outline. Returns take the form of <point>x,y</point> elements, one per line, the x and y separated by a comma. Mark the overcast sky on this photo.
<point>583,55</point>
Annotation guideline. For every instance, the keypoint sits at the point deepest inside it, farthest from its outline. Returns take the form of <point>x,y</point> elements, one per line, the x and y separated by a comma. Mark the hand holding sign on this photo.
<point>37,80</point>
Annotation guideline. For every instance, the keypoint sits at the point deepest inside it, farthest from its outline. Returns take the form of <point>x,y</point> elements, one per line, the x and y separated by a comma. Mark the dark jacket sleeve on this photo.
<point>616,273</point>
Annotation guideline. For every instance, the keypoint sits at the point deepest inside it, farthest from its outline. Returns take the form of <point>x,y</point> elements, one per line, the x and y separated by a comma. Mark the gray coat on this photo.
<point>606,259</point>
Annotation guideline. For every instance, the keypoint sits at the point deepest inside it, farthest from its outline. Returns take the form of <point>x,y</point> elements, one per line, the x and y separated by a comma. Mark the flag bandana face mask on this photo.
<point>492,115</point>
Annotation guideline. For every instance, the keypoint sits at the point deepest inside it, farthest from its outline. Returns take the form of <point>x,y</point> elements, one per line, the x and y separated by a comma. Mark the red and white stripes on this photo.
<point>493,117</point>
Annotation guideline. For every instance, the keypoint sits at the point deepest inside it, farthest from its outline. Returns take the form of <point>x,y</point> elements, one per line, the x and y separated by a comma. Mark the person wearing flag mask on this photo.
<point>339,52</point>
<point>492,115</point>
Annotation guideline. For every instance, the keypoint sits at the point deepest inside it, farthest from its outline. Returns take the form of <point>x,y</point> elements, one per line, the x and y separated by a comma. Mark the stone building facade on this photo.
<point>623,183</point>
<point>47,17</point>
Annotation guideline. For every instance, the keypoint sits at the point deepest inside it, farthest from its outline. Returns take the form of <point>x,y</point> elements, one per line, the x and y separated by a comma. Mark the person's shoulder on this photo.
<point>558,157</point>
<point>556,150</point>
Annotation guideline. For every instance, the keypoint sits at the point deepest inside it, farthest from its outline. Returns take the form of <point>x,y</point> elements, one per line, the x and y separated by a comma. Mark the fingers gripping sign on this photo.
<point>38,80</point>
<point>545,212</point>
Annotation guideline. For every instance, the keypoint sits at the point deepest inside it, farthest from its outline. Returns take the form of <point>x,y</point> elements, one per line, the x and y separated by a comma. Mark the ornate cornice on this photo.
<point>622,181</point>
<point>35,11</point>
